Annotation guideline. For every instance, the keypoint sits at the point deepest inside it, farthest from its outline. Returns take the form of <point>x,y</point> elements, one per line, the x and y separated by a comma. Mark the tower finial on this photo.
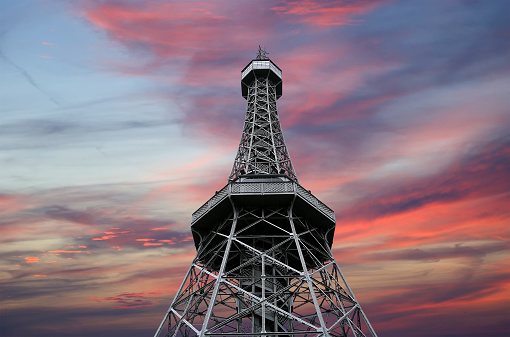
<point>262,54</point>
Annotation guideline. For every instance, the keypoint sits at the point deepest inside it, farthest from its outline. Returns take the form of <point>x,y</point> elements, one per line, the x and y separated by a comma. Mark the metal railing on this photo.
<point>257,187</point>
<point>261,65</point>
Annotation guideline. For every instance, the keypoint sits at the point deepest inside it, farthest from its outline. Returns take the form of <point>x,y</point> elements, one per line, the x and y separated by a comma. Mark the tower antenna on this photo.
<point>262,54</point>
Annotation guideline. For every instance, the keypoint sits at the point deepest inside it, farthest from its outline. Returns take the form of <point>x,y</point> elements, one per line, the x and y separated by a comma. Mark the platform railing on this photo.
<point>257,187</point>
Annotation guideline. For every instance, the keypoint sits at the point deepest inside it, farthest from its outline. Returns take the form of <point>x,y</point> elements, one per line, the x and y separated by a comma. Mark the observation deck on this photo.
<point>261,69</point>
<point>269,190</point>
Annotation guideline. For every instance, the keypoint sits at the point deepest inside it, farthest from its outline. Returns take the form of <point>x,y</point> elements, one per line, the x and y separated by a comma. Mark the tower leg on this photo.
<point>282,283</point>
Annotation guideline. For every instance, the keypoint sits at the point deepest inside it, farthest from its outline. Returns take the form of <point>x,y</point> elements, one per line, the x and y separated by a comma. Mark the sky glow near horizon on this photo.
<point>121,118</point>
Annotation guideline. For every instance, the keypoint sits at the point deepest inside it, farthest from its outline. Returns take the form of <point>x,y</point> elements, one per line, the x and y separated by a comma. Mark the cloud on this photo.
<point>394,113</point>
<point>10,203</point>
<point>129,301</point>
<point>174,30</point>
<point>326,13</point>
<point>28,77</point>
<point>94,319</point>
<point>435,254</point>
<point>482,173</point>
<point>65,214</point>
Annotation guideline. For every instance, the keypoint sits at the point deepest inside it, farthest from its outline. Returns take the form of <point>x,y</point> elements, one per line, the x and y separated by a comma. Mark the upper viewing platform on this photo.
<point>259,64</point>
<point>261,67</point>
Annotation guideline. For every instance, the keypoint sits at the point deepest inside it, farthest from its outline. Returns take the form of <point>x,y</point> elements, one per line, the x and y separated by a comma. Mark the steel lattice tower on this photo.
<point>264,265</point>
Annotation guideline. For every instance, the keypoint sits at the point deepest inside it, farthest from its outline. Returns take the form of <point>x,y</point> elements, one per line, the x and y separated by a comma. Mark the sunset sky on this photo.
<point>118,119</point>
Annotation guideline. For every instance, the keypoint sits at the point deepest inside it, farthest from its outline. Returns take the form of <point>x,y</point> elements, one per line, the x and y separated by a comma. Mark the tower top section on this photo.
<point>262,150</point>
<point>261,67</point>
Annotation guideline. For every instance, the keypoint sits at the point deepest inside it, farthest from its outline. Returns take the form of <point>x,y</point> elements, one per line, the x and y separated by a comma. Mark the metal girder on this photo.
<point>273,284</point>
<point>262,148</point>
<point>264,265</point>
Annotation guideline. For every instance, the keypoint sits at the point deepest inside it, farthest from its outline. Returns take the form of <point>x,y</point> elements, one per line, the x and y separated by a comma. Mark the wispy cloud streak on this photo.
<point>395,114</point>
<point>28,77</point>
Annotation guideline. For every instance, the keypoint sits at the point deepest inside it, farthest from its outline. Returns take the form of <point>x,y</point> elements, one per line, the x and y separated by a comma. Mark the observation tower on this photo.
<point>264,265</point>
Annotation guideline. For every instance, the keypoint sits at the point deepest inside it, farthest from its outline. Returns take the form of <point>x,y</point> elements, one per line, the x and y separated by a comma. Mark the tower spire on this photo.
<point>262,54</point>
<point>262,149</point>
<point>264,265</point>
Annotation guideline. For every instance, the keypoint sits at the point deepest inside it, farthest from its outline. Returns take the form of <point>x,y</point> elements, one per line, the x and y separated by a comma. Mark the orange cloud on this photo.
<point>170,242</point>
<point>106,237</point>
<point>32,259</point>
<point>68,251</point>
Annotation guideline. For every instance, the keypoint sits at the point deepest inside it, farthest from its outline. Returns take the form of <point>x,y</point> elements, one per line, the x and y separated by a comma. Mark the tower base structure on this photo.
<point>264,267</point>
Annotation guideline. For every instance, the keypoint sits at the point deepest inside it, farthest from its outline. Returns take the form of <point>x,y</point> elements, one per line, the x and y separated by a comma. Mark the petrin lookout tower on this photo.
<point>264,265</point>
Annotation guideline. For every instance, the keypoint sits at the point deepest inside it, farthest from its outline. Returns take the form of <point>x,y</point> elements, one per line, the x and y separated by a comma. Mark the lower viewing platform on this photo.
<point>270,187</point>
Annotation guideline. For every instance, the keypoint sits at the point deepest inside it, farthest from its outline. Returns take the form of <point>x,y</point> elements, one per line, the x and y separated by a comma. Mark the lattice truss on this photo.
<point>265,272</point>
<point>262,148</point>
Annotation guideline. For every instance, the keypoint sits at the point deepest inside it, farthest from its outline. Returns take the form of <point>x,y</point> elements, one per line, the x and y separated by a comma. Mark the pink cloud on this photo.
<point>169,29</point>
<point>327,13</point>
<point>11,203</point>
